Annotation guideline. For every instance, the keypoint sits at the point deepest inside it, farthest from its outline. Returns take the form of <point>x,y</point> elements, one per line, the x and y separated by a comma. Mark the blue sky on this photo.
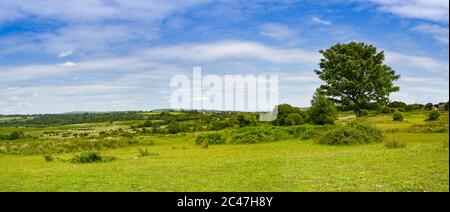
<point>104,55</point>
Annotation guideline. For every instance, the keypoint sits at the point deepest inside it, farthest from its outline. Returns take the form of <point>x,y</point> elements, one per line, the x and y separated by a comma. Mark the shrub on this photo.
<point>145,153</point>
<point>322,110</point>
<point>16,135</point>
<point>413,107</point>
<point>293,119</point>
<point>48,158</point>
<point>428,106</point>
<point>90,157</point>
<point>212,138</point>
<point>388,110</point>
<point>285,110</point>
<point>244,120</point>
<point>394,144</point>
<point>397,116</point>
<point>352,134</point>
<point>363,112</point>
<point>397,104</point>
<point>433,115</point>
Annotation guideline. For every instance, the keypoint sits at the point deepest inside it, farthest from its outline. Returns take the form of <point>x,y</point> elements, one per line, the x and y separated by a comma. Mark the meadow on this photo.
<point>291,160</point>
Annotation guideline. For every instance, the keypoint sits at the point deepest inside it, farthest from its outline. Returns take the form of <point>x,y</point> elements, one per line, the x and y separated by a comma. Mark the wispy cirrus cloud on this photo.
<point>278,31</point>
<point>317,20</point>
<point>432,10</point>
<point>438,32</point>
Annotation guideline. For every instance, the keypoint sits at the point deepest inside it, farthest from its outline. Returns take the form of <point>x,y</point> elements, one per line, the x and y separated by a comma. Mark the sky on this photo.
<point>117,55</point>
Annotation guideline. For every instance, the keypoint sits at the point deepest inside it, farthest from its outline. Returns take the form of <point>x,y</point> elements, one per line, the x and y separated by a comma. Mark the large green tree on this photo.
<point>355,75</point>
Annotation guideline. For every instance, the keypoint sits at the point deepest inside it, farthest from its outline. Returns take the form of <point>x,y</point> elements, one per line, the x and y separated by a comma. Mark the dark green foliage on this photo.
<point>285,110</point>
<point>90,157</point>
<point>397,104</point>
<point>244,120</point>
<point>252,135</point>
<point>62,119</point>
<point>353,134</point>
<point>355,74</point>
<point>293,119</point>
<point>211,138</point>
<point>397,116</point>
<point>176,127</point>
<point>433,115</point>
<point>48,158</point>
<point>13,136</point>
<point>394,144</point>
<point>428,106</point>
<point>388,110</point>
<point>322,110</point>
<point>414,107</point>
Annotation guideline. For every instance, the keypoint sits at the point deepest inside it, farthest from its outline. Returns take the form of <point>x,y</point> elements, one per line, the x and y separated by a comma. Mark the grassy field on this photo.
<point>287,165</point>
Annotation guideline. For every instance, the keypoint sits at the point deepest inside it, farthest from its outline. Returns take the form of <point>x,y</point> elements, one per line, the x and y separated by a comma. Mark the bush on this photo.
<point>413,107</point>
<point>397,104</point>
<point>145,153</point>
<point>90,157</point>
<point>352,134</point>
<point>212,138</point>
<point>322,110</point>
<point>388,110</point>
<point>394,144</point>
<point>293,119</point>
<point>428,106</point>
<point>16,135</point>
<point>48,158</point>
<point>397,116</point>
<point>363,112</point>
<point>433,116</point>
<point>285,110</point>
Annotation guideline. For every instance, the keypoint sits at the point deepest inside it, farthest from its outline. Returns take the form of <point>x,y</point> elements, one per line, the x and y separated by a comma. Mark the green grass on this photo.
<point>178,164</point>
<point>289,165</point>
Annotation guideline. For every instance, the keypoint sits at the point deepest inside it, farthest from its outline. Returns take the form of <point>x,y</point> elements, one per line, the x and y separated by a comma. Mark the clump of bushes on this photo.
<point>13,136</point>
<point>397,116</point>
<point>91,157</point>
<point>394,144</point>
<point>294,119</point>
<point>388,110</point>
<point>145,153</point>
<point>212,138</point>
<point>352,134</point>
<point>433,115</point>
<point>290,115</point>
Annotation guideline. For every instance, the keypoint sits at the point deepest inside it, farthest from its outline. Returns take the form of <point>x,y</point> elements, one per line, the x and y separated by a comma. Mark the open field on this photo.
<point>286,165</point>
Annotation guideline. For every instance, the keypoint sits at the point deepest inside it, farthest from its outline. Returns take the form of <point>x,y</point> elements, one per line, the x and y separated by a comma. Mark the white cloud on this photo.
<point>68,64</point>
<point>277,31</point>
<point>418,63</point>
<point>318,20</point>
<point>432,10</point>
<point>93,11</point>
<point>203,52</point>
<point>439,33</point>
<point>65,53</point>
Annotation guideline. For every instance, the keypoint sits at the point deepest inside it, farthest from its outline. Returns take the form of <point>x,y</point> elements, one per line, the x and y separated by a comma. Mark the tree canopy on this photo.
<point>355,75</point>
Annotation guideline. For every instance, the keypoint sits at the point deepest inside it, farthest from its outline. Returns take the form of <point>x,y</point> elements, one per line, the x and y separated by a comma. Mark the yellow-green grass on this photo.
<point>290,165</point>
